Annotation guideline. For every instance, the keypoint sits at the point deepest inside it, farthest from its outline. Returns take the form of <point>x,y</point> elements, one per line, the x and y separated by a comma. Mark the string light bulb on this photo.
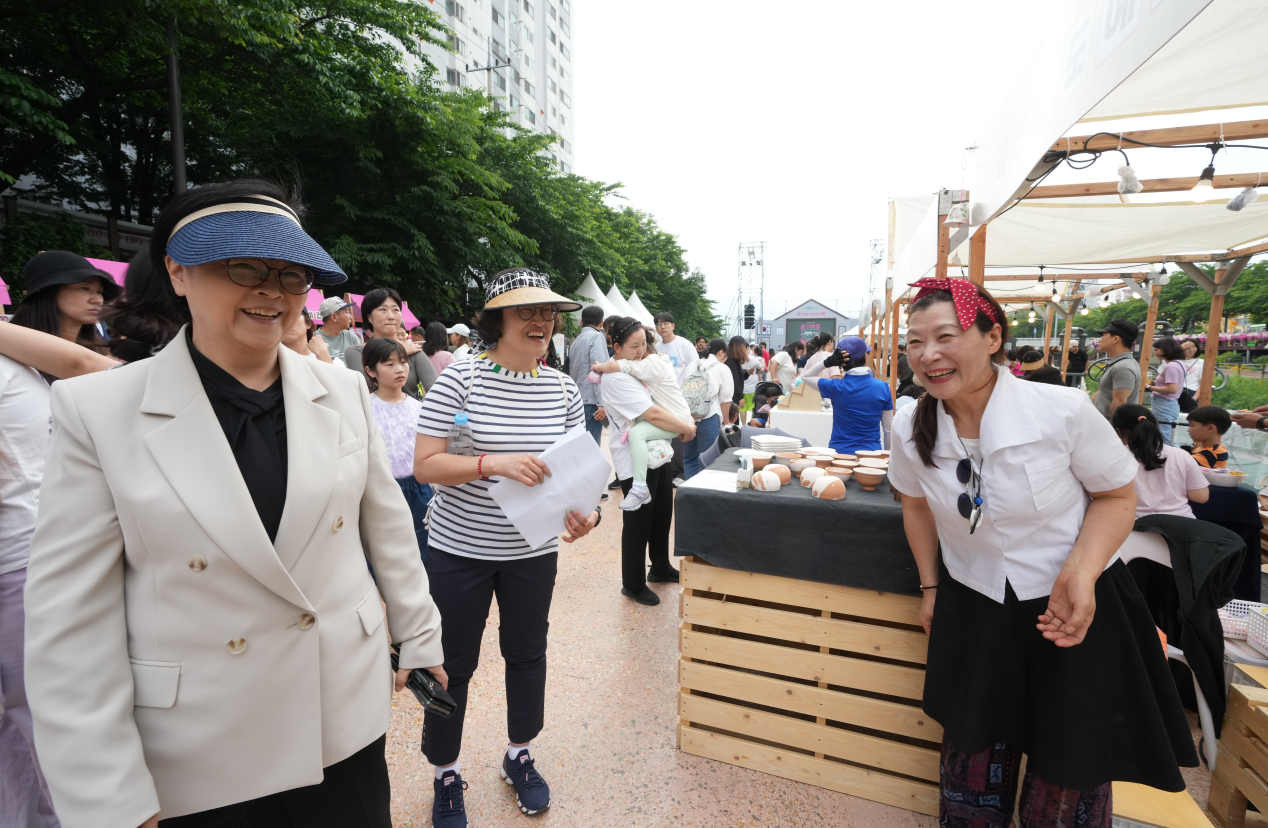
<point>1204,190</point>
<point>1083,311</point>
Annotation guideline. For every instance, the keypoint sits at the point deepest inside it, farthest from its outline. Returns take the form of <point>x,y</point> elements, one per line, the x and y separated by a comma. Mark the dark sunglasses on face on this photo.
<point>970,502</point>
<point>294,279</point>
<point>548,312</point>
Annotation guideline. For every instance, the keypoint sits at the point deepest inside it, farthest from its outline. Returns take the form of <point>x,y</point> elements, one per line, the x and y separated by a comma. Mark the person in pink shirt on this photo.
<point>436,346</point>
<point>1168,477</point>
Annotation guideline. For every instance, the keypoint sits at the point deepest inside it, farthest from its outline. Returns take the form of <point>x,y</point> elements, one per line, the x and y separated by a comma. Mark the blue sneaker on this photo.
<point>448,810</point>
<point>531,791</point>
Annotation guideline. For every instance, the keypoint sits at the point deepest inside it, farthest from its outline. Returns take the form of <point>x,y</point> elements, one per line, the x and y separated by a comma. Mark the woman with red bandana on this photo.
<point>1016,499</point>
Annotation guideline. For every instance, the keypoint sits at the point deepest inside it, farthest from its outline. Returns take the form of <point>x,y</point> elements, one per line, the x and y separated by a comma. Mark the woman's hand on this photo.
<point>528,469</point>
<point>688,435</point>
<point>318,346</point>
<point>575,527</point>
<point>437,672</point>
<point>605,367</point>
<point>411,347</point>
<point>927,597</point>
<point>152,822</point>
<point>1071,607</point>
<point>1250,420</point>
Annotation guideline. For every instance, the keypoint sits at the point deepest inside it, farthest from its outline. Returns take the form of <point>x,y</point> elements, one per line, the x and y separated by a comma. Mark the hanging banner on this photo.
<point>1091,48</point>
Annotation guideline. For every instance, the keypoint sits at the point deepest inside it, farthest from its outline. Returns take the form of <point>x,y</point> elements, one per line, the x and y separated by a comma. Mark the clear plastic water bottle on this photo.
<point>460,439</point>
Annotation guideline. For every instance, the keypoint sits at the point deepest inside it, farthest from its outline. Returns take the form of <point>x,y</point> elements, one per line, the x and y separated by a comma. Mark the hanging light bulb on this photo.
<point>1041,274</point>
<point>1083,311</point>
<point>1054,290</point>
<point>1013,321</point>
<point>1205,188</point>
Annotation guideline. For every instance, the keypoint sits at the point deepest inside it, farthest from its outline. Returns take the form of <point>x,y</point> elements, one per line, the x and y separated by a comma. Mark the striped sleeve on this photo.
<point>444,400</point>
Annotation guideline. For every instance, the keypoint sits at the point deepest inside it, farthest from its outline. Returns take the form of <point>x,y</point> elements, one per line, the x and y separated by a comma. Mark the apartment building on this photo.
<point>530,43</point>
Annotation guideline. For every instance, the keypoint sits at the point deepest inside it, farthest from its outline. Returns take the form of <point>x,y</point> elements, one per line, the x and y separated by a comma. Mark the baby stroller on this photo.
<point>765,395</point>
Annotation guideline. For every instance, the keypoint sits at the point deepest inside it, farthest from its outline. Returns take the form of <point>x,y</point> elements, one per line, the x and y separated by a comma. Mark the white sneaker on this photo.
<point>636,499</point>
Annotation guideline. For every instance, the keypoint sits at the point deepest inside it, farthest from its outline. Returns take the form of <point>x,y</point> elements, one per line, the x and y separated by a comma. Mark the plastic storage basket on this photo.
<point>1257,636</point>
<point>1235,618</point>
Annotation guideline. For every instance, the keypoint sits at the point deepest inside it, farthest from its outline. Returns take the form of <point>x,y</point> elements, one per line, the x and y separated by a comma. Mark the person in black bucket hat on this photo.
<point>206,644</point>
<point>65,295</point>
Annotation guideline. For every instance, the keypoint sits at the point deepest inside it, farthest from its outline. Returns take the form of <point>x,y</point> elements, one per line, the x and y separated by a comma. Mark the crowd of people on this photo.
<point>191,624</point>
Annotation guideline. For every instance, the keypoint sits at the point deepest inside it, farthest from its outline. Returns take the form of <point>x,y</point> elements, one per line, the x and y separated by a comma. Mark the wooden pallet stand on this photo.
<point>1241,772</point>
<point>807,681</point>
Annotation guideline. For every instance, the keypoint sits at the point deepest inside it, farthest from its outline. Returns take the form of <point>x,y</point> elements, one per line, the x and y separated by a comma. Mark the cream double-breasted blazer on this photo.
<point>178,661</point>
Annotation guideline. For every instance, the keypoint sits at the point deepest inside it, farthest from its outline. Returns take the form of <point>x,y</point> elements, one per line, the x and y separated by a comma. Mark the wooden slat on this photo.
<point>1154,807</point>
<point>1225,802</point>
<point>896,757</point>
<point>1170,137</point>
<point>853,636</point>
<point>1152,185</point>
<point>1241,703</point>
<point>1251,785</point>
<point>887,606</point>
<point>889,679</point>
<point>860,711</point>
<point>877,786</point>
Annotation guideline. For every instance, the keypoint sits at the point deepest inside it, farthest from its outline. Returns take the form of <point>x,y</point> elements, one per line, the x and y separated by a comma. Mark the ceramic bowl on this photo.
<point>760,459</point>
<point>823,461</point>
<point>844,464</point>
<point>809,476</point>
<point>845,456</point>
<point>785,457</point>
<point>869,479</point>
<point>844,474</point>
<point>828,488</point>
<point>874,462</point>
<point>868,453</point>
<point>765,481</point>
<point>782,472</point>
<point>1229,480</point>
<point>800,465</point>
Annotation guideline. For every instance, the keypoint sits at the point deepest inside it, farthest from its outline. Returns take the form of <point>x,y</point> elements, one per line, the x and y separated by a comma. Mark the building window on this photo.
<point>563,142</point>
<point>528,88</point>
<point>551,58</point>
<point>498,20</point>
<point>500,80</point>
<point>453,77</point>
<point>563,120</point>
<point>563,50</point>
<point>457,45</point>
<point>528,61</point>
<point>455,10</point>
<point>551,32</point>
<point>552,86</point>
<point>532,117</point>
<point>564,4</point>
<point>565,168</point>
<point>528,8</point>
<point>563,24</point>
<point>550,9</point>
<point>563,96</point>
<point>515,105</point>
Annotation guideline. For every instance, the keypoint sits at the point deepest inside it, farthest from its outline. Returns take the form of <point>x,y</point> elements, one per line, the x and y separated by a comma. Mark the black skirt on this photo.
<point>1105,710</point>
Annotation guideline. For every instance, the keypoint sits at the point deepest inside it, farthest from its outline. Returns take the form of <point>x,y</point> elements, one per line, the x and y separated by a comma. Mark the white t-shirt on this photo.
<point>624,398</point>
<point>25,424</point>
<point>680,352</point>
<point>1192,372</point>
<point>784,369</point>
<point>753,364</point>
<point>461,351</point>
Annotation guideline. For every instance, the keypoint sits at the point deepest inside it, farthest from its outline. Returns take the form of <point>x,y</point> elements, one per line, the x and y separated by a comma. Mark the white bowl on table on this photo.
<point>1221,477</point>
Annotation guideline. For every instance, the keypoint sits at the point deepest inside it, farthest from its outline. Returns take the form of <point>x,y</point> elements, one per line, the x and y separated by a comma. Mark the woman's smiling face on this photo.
<point>947,359</point>
<point>528,336</point>
<point>248,318</point>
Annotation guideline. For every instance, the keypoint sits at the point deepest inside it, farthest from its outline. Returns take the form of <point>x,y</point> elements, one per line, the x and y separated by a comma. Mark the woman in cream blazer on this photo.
<point>180,663</point>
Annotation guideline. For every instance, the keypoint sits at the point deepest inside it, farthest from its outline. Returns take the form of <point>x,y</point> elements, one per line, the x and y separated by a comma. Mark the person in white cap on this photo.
<point>335,330</point>
<point>460,335</point>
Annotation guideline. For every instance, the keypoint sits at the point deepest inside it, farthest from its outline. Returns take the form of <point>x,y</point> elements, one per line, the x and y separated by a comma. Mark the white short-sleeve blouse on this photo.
<point>1043,448</point>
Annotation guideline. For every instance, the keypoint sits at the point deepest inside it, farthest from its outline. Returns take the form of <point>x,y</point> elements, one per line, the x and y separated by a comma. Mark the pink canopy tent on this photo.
<point>313,303</point>
<point>410,320</point>
<point>4,294</point>
<point>117,270</point>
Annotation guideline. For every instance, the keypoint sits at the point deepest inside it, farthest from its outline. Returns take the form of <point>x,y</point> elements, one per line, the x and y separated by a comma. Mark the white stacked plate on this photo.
<point>776,444</point>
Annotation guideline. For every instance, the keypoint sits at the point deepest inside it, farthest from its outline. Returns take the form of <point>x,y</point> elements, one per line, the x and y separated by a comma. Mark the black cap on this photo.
<point>61,267</point>
<point>1122,329</point>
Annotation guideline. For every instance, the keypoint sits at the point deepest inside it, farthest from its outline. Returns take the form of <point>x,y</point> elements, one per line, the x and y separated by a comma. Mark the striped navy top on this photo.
<point>509,413</point>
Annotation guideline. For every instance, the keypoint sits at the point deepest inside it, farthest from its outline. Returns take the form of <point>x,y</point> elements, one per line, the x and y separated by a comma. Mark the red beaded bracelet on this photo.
<point>480,467</point>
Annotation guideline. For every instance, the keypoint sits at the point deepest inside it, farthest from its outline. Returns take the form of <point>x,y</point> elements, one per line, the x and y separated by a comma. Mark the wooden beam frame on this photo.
<point>1152,185</point>
<point>1222,256</point>
<point>1147,344</point>
<point>1170,137</point>
<point>1064,277</point>
<point>1065,336</point>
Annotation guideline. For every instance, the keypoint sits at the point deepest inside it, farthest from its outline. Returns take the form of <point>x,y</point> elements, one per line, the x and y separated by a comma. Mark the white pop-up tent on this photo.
<point>590,292</point>
<point>619,305</point>
<point>1118,60</point>
<point>641,313</point>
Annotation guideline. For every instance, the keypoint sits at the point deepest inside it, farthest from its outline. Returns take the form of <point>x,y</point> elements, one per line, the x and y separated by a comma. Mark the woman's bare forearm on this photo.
<point>661,418</point>
<point>1109,520</point>
<point>922,537</point>
<point>50,354</point>
<point>432,464</point>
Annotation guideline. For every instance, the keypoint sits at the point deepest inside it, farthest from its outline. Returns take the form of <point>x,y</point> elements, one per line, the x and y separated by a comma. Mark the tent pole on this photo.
<point>1147,343</point>
<point>893,350</point>
<point>1047,333</point>
<point>977,256</point>
<point>1069,323</point>
<point>872,357</point>
<point>1212,339</point>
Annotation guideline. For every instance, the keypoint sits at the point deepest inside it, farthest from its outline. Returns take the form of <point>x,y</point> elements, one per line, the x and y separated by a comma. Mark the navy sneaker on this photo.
<point>448,810</point>
<point>531,791</point>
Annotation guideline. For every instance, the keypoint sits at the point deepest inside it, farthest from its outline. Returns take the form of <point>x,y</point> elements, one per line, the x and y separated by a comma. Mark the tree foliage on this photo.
<point>408,185</point>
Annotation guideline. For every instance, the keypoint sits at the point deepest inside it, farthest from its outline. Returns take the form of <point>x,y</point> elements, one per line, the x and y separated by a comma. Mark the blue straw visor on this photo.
<point>244,234</point>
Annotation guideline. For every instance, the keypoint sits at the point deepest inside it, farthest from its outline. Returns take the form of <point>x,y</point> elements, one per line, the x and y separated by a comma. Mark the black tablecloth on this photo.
<point>1237,510</point>
<point>856,542</point>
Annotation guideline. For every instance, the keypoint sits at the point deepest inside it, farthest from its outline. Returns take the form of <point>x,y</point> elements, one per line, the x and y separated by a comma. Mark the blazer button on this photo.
<point>337,525</point>
<point>238,646</point>
<point>198,563</point>
<point>306,621</point>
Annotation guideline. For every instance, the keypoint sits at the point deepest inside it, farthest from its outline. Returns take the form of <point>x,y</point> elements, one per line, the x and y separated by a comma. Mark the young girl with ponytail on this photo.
<point>1168,477</point>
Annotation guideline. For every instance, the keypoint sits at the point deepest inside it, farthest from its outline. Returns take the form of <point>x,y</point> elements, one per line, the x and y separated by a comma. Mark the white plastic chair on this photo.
<point>1152,546</point>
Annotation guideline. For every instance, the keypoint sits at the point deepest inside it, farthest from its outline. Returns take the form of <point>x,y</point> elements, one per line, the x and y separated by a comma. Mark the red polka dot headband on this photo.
<point>964,293</point>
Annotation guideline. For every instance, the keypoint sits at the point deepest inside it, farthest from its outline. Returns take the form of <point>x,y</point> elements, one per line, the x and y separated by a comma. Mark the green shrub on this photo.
<point>1260,360</point>
<point>1229,357</point>
<point>1241,392</point>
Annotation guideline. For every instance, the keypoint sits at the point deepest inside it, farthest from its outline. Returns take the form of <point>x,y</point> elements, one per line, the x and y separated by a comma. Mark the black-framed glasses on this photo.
<point>294,279</point>
<point>548,312</point>
<point>970,502</point>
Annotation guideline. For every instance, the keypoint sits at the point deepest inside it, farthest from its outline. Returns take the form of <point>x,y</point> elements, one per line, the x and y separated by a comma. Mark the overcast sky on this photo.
<point>794,123</point>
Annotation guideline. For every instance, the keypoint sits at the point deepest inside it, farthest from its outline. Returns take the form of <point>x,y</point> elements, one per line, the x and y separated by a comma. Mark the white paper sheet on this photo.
<point>578,473</point>
<point>717,481</point>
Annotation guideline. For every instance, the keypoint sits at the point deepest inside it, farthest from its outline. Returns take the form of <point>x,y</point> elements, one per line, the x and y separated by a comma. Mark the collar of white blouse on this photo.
<point>1009,420</point>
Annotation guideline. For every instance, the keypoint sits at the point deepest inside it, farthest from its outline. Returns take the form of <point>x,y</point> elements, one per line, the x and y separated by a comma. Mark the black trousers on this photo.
<point>463,589</point>
<point>677,463</point>
<point>355,793</point>
<point>645,531</point>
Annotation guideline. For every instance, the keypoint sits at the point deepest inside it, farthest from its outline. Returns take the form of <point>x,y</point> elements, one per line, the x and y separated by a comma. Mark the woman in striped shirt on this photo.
<point>516,408</point>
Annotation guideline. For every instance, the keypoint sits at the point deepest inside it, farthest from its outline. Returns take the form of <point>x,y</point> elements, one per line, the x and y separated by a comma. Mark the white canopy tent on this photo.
<point>640,312</point>
<point>618,303</point>
<point>590,292</point>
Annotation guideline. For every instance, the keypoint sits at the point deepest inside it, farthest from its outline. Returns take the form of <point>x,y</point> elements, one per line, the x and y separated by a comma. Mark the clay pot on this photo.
<point>760,459</point>
<point>874,462</point>
<point>782,472</point>
<point>766,481</point>
<point>844,474</point>
<point>869,479</point>
<point>809,476</point>
<point>828,488</point>
<point>823,461</point>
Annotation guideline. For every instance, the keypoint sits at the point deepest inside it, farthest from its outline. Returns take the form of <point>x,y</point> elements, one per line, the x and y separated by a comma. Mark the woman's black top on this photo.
<point>254,423</point>
<point>738,375</point>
